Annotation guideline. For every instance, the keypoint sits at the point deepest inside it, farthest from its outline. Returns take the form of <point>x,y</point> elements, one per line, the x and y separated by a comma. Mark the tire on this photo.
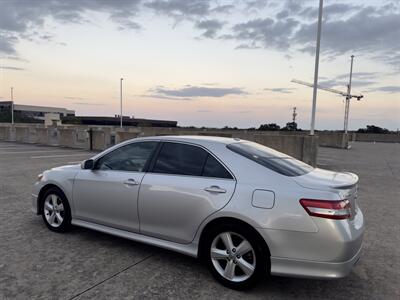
<point>244,264</point>
<point>55,210</point>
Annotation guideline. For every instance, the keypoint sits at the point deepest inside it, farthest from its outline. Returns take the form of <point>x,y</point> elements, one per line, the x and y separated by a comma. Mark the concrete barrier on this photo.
<point>125,135</point>
<point>376,137</point>
<point>3,133</point>
<point>74,138</point>
<point>300,146</point>
<point>333,139</point>
<point>41,136</point>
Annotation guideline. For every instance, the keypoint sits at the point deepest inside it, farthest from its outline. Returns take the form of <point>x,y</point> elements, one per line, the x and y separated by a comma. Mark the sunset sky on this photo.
<point>203,63</point>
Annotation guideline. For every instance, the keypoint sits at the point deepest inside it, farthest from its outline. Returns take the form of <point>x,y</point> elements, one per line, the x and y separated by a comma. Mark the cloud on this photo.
<point>19,19</point>
<point>360,75</point>
<point>280,90</point>
<point>180,8</point>
<point>189,92</point>
<point>7,42</point>
<point>333,10</point>
<point>227,8</point>
<point>359,79</point>
<point>210,27</point>
<point>390,89</point>
<point>11,68</point>
<point>156,96</point>
<point>256,5</point>
<point>367,31</point>
<point>266,33</point>
<point>343,83</point>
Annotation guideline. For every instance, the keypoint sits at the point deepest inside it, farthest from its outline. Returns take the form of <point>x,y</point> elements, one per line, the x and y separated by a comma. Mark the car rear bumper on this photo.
<point>329,253</point>
<point>313,269</point>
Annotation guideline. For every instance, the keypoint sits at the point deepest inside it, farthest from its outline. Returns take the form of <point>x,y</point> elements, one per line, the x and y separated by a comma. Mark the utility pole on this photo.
<point>348,97</point>
<point>120,89</point>
<point>314,104</point>
<point>12,105</point>
<point>294,117</point>
<point>294,114</point>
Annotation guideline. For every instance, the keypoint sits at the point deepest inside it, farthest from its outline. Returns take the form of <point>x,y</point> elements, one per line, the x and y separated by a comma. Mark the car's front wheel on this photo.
<point>56,212</point>
<point>235,256</point>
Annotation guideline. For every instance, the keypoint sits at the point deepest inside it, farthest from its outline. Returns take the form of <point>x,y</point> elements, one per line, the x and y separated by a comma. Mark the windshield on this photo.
<point>271,159</point>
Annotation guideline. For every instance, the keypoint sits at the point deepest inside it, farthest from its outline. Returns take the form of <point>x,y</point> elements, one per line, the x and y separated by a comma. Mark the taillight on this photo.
<point>336,210</point>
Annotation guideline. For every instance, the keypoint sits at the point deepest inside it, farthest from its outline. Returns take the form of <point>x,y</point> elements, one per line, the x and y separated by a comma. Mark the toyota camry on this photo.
<point>245,209</point>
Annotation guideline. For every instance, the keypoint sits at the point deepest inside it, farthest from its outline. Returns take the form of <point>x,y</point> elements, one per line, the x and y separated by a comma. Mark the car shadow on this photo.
<point>282,287</point>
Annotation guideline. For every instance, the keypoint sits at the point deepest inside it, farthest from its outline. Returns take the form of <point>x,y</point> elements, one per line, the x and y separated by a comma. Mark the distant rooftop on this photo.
<point>115,121</point>
<point>37,108</point>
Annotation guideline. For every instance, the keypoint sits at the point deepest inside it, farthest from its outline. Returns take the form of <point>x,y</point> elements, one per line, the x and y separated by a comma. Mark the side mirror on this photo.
<point>87,164</point>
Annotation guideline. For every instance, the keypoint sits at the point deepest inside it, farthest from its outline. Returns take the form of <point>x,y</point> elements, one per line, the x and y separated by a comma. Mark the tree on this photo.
<point>291,126</point>
<point>373,129</point>
<point>269,127</point>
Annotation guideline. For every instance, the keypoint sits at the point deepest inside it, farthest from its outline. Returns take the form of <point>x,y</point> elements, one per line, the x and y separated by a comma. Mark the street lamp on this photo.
<point>121,102</point>
<point>314,104</point>
<point>12,105</point>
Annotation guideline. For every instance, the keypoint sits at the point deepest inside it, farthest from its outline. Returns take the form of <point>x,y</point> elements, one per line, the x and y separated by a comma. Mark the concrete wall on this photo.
<point>3,133</point>
<point>73,136</point>
<point>300,146</point>
<point>376,137</point>
<point>333,139</point>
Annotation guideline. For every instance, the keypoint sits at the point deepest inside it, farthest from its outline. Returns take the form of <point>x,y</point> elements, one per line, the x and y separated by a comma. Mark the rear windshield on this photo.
<point>271,159</point>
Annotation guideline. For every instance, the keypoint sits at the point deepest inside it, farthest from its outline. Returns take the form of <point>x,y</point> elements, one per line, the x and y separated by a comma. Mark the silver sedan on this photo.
<point>246,209</point>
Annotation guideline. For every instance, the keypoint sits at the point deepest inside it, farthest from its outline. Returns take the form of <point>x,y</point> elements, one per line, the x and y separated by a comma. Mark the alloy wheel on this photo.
<point>54,210</point>
<point>233,256</point>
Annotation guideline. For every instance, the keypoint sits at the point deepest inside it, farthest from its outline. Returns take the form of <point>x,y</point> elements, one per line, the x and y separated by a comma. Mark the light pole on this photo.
<point>314,104</point>
<point>348,97</point>
<point>12,105</point>
<point>120,89</point>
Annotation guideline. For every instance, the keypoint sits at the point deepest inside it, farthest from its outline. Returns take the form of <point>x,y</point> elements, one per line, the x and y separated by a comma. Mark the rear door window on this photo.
<point>213,168</point>
<point>181,159</point>
<point>271,159</point>
<point>184,159</point>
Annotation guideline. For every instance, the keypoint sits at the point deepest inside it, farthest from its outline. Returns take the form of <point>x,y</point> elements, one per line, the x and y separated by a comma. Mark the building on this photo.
<point>115,121</point>
<point>58,115</point>
<point>35,112</point>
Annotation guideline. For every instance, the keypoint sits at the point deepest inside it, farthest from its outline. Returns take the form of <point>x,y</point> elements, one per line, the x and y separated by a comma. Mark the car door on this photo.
<point>184,185</point>
<point>108,194</point>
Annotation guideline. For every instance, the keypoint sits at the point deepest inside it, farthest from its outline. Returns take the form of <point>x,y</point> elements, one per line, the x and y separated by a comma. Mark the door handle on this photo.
<point>215,189</point>
<point>131,182</point>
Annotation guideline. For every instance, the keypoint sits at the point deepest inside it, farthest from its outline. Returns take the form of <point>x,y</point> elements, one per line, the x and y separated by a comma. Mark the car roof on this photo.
<point>192,138</point>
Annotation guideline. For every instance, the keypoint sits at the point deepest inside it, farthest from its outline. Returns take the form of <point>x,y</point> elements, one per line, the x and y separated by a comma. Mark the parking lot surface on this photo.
<point>83,264</point>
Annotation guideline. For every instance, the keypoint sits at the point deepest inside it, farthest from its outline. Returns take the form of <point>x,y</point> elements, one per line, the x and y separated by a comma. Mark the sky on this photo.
<point>208,63</point>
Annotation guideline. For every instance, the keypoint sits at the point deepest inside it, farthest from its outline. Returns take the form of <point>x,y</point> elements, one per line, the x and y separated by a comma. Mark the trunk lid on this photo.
<point>320,179</point>
<point>343,183</point>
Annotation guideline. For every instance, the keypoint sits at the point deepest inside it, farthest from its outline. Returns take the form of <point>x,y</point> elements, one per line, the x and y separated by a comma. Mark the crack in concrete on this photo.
<point>390,168</point>
<point>110,277</point>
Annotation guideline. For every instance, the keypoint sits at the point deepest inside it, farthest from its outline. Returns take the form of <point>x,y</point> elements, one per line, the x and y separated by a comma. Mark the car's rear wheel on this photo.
<point>235,256</point>
<point>56,212</point>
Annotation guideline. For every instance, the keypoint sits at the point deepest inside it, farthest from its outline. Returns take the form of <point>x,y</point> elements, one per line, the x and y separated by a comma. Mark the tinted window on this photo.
<point>213,168</point>
<point>175,158</point>
<point>271,159</point>
<point>132,157</point>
